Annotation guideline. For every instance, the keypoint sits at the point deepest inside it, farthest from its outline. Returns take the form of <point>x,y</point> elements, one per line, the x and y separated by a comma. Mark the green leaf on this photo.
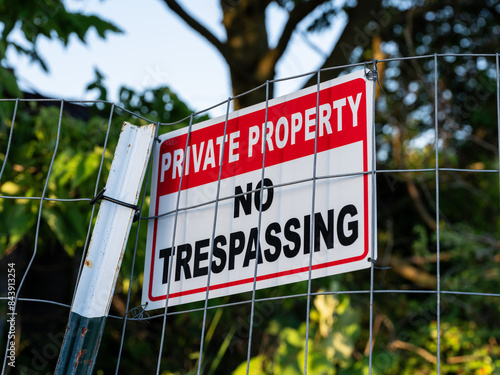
<point>68,225</point>
<point>256,365</point>
<point>86,169</point>
<point>18,221</point>
<point>9,82</point>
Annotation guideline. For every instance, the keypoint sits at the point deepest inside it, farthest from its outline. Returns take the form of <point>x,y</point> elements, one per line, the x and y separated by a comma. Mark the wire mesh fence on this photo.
<point>427,304</point>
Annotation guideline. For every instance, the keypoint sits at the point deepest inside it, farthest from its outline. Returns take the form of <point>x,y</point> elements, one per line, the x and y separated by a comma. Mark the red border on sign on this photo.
<point>301,149</point>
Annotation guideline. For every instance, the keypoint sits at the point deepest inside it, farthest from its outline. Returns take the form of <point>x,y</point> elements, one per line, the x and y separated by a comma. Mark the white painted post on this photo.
<point>102,264</point>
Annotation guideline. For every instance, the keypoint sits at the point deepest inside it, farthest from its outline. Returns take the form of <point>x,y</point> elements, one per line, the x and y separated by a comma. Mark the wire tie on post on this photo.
<point>139,312</point>
<point>372,74</point>
<point>100,196</point>
<point>374,261</point>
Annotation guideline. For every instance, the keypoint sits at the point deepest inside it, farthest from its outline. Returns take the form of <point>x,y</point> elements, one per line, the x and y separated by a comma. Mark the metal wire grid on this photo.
<point>370,293</point>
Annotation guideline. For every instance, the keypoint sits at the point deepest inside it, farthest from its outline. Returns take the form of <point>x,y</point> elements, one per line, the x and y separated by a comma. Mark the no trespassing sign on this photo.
<point>279,227</point>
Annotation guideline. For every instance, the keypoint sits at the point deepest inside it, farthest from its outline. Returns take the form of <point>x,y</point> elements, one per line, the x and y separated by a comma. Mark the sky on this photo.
<point>157,48</point>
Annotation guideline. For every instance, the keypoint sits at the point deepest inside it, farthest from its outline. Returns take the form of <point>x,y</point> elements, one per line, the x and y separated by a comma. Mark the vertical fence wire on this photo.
<point>214,226</point>
<point>313,222</point>
<point>96,189</point>
<point>136,244</point>
<point>9,142</point>
<point>10,139</point>
<point>497,66</point>
<point>438,259</point>
<point>38,223</point>
<point>259,223</point>
<point>373,239</point>
<point>174,230</point>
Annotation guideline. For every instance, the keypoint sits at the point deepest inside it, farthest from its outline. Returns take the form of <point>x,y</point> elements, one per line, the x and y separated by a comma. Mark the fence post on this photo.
<point>98,278</point>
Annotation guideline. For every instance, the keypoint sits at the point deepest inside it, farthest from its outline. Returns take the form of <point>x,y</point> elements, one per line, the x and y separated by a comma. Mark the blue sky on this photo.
<point>157,48</point>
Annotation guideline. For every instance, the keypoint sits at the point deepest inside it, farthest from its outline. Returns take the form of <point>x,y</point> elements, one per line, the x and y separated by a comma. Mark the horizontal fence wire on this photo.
<point>244,334</point>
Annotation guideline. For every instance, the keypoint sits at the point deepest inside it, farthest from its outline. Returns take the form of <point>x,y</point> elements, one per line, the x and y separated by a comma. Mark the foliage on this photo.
<point>73,147</point>
<point>404,322</point>
<point>32,20</point>
<point>334,329</point>
<point>73,176</point>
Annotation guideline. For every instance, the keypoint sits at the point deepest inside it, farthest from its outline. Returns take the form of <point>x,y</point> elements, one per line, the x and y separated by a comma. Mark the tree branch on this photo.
<point>199,28</point>
<point>419,205</point>
<point>267,63</point>
<point>297,15</point>
<point>380,318</point>
<point>357,35</point>
<point>398,344</point>
<point>415,275</point>
<point>353,36</point>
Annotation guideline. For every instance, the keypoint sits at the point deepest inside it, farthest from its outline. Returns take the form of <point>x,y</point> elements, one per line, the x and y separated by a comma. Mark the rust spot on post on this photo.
<point>81,353</point>
<point>89,263</point>
<point>84,331</point>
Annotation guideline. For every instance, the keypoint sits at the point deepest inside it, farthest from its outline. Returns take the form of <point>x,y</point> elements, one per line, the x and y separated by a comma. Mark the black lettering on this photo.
<point>252,243</point>
<point>274,241</point>
<point>183,261</point>
<point>200,257</point>
<point>307,234</point>
<point>268,193</point>
<point>321,229</point>
<point>220,254</point>
<point>293,237</point>
<point>352,226</point>
<point>165,254</point>
<point>235,249</point>
<point>244,199</point>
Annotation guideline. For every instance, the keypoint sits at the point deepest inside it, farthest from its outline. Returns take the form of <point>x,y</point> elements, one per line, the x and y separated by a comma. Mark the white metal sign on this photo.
<point>341,238</point>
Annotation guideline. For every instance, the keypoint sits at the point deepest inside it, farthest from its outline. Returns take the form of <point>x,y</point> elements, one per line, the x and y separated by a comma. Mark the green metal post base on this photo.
<point>80,345</point>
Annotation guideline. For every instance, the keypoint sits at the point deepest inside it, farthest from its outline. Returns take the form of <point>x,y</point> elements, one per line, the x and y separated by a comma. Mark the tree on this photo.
<point>250,58</point>
<point>24,162</point>
<point>372,26</point>
<point>37,19</point>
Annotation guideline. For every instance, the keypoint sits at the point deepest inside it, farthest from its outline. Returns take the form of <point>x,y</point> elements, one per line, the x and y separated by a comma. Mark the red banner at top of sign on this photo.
<point>291,129</point>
